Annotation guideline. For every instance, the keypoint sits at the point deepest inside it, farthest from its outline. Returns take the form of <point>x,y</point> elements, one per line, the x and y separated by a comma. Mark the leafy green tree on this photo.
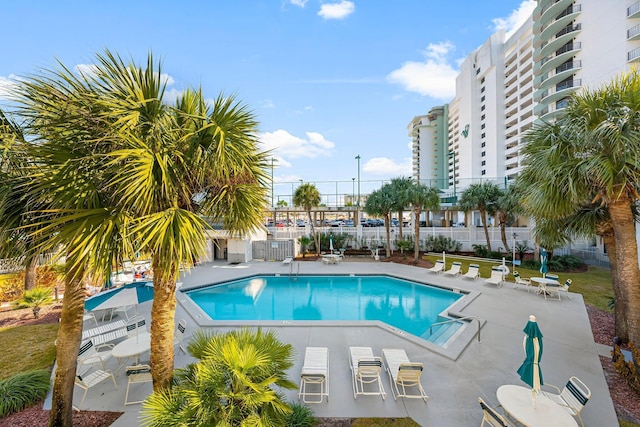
<point>233,383</point>
<point>125,172</point>
<point>307,196</point>
<point>484,198</point>
<point>420,197</point>
<point>381,202</point>
<point>304,244</point>
<point>507,206</point>
<point>400,188</point>
<point>590,154</point>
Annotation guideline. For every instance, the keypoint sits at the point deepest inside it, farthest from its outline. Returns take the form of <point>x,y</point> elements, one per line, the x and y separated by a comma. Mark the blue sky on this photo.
<point>328,80</point>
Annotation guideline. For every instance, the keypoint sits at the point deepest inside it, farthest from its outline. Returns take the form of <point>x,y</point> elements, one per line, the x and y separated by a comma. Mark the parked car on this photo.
<point>338,223</point>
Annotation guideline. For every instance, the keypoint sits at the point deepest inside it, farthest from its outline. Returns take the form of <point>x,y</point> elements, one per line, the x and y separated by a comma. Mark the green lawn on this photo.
<point>26,348</point>
<point>594,284</point>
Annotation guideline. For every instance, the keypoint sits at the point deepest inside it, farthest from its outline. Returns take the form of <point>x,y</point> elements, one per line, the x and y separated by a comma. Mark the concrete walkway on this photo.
<point>453,385</point>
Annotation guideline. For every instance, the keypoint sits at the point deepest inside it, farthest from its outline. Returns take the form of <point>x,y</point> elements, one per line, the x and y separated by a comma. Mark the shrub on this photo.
<point>531,264</point>
<point>35,299</point>
<point>301,416</point>
<point>627,370</point>
<point>23,390</point>
<point>565,263</point>
<point>442,244</point>
<point>481,251</point>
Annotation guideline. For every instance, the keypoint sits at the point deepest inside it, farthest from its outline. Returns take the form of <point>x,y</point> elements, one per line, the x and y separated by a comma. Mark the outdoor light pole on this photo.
<point>272,182</point>
<point>453,153</point>
<point>353,191</point>
<point>514,248</point>
<point>358,159</point>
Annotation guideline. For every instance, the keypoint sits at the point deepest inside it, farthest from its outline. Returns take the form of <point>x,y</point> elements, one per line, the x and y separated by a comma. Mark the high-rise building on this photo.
<point>429,139</point>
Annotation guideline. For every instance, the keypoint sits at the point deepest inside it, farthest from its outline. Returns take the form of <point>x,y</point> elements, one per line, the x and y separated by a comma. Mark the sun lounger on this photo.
<point>473,272</point>
<point>455,269</point>
<point>497,276</point>
<point>365,372</point>
<point>118,324</point>
<point>315,374</point>
<point>404,375</point>
<point>438,267</point>
<point>287,260</point>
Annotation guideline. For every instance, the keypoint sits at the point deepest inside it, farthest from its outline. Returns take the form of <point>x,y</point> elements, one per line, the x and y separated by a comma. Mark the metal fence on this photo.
<point>591,256</point>
<point>272,250</point>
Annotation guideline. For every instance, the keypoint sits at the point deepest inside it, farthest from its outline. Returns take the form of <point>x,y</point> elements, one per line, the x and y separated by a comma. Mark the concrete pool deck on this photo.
<point>453,385</point>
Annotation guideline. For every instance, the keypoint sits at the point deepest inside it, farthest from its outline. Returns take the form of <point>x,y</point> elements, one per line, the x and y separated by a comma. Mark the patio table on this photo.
<point>517,401</point>
<point>132,347</point>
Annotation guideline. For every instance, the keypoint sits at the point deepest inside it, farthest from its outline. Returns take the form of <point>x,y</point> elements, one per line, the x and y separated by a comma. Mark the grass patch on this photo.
<point>384,422</point>
<point>594,284</point>
<point>624,423</point>
<point>26,348</point>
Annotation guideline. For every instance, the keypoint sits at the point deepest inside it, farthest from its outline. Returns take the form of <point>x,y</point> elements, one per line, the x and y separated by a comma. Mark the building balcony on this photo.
<point>633,55</point>
<point>547,9</point>
<point>633,11</point>
<point>564,18</point>
<point>633,33</point>
<point>560,91</point>
<point>561,55</point>
<point>548,47</point>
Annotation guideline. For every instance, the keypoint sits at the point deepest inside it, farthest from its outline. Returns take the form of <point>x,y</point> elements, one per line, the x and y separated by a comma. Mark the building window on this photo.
<point>482,80</point>
<point>482,126</point>
<point>482,108</point>
<point>484,162</point>
<point>483,154</point>
<point>483,142</point>
<point>482,117</point>
<point>482,99</point>
<point>484,172</point>
<point>482,89</point>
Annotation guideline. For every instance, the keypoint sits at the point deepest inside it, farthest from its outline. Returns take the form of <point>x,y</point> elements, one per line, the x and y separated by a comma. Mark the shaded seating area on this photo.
<point>404,375</point>
<point>455,269</point>
<point>314,378</point>
<point>365,372</point>
<point>573,397</point>
<point>437,268</point>
<point>473,272</point>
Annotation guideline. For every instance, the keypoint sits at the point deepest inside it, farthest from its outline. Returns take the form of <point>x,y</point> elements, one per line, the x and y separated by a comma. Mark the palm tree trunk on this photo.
<point>503,233</point>
<point>627,261</point>
<point>387,221</point>
<point>416,233</point>
<point>31,273</point>
<point>313,233</point>
<point>400,224</point>
<point>67,346</point>
<point>163,311</point>
<point>620,310</point>
<point>483,217</point>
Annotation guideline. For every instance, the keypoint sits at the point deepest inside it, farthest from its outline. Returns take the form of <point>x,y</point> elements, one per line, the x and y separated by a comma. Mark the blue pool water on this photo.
<point>409,306</point>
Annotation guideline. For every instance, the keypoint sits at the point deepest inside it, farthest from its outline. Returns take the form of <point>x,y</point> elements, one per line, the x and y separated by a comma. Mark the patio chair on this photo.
<point>404,375</point>
<point>565,288</point>
<point>455,269</point>
<point>88,315</point>
<point>437,268</point>
<point>473,272</point>
<point>287,260</point>
<point>124,311</point>
<point>137,374</point>
<point>497,276</point>
<point>365,371</point>
<point>89,355</point>
<point>522,282</point>
<point>182,327</point>
<point>491,416</point>
<point>137,326</point>
<point>573,396</point>
<point>118,324</point>
<point>106,339</point>
<point>315,373</point>
<point>94,378</point>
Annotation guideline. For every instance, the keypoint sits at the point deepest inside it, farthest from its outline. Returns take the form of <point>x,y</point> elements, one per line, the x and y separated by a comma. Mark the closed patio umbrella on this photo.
<point>530,371</point>
<point>331,244</point>
<point>543,262</point>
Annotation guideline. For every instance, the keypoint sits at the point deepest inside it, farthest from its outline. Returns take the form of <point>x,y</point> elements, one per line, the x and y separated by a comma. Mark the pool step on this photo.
<point>441,333</point>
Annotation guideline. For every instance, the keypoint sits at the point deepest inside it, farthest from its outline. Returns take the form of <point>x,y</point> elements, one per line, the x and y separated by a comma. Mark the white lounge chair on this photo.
<point>137,374</point>
<point>404,375</point>
<point>438,267</point>
<point>522,282</point>
<point>118,324</point>
<point>315,373</point>
<point>491,416</point>
<point>455,269</point>
<point>497,276</point>
<point>287,260</point>
<point>573,396</point>
<point>473,272</point>
<point>87,381</point>
<point>365,372</point>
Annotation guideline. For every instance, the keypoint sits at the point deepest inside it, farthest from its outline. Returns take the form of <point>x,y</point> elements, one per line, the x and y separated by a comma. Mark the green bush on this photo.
<point>301,416</point>
<point>442,244</point>
<point>23,390</point>
<point>481,251</point>
<point>565,263</point>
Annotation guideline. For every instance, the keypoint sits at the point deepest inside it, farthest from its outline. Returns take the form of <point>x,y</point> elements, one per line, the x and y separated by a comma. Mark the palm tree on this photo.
<point>420,197</point>
<point>591,149</point>
<point>400,186</point>
<point>124,172</point>
<point>232,383</point>
<point>307,196</point>
<point>484,198</point>
<point>382,202</point>
<point>507,205</point>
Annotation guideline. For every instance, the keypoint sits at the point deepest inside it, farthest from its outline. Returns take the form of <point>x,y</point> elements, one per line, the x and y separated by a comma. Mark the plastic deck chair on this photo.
<point>404,374</point>
<point>315,373</point>
<point>94,378</point>
<point>365,372</point>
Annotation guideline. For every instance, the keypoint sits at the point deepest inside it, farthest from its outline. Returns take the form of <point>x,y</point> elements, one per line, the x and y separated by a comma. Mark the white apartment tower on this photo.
<point>429,144</point>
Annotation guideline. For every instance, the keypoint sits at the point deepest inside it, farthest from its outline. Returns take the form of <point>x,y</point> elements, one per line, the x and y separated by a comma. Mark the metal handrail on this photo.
<point>456,320</point>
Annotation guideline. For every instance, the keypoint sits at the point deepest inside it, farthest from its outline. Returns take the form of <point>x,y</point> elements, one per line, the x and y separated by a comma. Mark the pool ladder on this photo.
<point>291,270</point>
<point>457,320</point>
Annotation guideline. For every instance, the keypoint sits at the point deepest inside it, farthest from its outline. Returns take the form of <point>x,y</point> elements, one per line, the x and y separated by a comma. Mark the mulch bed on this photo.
<point>626,402</point>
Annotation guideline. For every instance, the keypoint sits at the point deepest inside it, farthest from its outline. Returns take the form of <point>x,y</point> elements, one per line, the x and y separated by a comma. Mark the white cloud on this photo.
<point>286,178</point>
<point>337,10</point>
<point>7,85</point>
<point>518,16</point>
<point>434,77</point>
<point>385,166</point>
<point>299,3</point>
<point>286,145</point>
<point>267,104</point>
<point>86,69</point>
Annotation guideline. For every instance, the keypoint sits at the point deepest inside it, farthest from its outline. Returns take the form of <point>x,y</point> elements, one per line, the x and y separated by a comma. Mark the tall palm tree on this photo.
<point>124,171</point>
<point>307,196</point>
<point>232,383</point>
<point>382,202</point>
<point>400,186</point>
<point>506,206</point>
<point>420,197</point>
<point>483,197</point>
<point>591,149</point>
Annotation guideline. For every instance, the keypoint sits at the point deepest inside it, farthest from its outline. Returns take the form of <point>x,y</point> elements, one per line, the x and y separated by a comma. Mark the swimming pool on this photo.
<point>406,305</point>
